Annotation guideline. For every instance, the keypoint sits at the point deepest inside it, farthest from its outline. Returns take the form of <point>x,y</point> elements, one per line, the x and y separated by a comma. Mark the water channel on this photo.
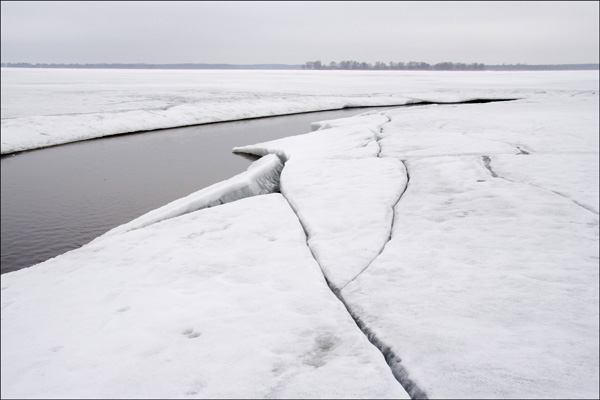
<point>60,198</point>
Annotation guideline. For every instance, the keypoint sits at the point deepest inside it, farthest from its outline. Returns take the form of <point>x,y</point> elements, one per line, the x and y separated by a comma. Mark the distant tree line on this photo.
<point>444,66</point>
<point>318,65</point>
<point>392,65</point>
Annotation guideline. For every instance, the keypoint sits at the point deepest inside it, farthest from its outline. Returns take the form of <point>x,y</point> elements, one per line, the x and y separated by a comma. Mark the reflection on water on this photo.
<point>60,198</point>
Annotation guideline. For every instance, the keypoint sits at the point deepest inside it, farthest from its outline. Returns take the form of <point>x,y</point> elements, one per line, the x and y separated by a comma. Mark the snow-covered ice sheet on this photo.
<point>489,284</point>
<point>345,206</point>
<point>556,123</point>
<point>574,176</point>
<point>344,142</point>
<point>45,107</point>
<point>225,302</point>
<point>341,191</point>
<point>370,119</point>
<point>488,288</point>
<point>261,177</point>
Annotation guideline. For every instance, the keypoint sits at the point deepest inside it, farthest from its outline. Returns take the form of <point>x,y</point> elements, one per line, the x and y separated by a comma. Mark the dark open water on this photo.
<point>60,198</point>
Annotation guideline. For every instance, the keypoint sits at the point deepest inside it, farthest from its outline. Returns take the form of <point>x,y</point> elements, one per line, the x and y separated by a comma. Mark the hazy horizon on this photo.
<point>292,33</point>
<point>257,64</point>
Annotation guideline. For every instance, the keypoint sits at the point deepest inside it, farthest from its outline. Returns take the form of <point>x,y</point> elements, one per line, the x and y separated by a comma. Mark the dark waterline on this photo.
<point>60,198</point>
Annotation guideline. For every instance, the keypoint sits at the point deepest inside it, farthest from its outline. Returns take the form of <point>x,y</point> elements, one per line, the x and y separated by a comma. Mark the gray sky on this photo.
<point>296,32</point>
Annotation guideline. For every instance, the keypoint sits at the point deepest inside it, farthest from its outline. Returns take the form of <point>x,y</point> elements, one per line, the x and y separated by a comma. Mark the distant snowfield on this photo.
<point>46,107</point>
<point>461,240</point>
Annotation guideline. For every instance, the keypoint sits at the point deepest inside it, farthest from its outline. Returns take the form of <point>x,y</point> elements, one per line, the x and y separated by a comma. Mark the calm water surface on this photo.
<point>60,198</point>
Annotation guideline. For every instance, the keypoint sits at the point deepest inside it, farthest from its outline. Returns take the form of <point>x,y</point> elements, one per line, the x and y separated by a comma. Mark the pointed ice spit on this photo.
<point>261,177</point>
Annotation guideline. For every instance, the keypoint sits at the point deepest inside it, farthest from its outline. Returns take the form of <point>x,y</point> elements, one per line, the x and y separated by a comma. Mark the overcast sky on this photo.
<point>296,32</point>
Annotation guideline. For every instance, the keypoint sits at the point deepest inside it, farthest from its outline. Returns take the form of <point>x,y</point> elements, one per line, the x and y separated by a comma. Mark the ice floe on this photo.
<point>488,288</point>
<point>345,206</point>
<point>341,191</point>
<point>225,302</point>
<point>489,284</point>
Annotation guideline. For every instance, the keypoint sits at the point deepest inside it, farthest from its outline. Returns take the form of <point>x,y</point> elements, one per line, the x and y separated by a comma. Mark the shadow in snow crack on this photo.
<point>487,161</point>
<point>393,361</point>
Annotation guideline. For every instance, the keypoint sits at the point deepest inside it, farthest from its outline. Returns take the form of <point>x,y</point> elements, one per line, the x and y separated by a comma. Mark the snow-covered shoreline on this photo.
<point>50,107</point>
<point>462,240</point>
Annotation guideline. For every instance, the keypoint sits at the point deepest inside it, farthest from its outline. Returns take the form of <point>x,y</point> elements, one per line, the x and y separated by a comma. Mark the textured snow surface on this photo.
<point>225,302</point>
<point>261,177</point>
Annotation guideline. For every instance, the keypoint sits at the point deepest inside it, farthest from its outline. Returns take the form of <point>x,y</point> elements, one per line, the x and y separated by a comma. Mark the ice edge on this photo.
<point>261,177</point>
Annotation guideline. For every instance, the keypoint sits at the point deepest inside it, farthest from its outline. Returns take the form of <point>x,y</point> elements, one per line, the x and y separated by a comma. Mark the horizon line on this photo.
<point>261,63</point>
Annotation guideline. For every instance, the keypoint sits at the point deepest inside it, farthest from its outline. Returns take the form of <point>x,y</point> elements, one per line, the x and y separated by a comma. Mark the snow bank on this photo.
<point>225,302</point>
<point>261,177</point>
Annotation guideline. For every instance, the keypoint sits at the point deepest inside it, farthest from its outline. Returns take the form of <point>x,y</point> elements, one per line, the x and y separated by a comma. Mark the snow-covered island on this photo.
<point>439,251</point>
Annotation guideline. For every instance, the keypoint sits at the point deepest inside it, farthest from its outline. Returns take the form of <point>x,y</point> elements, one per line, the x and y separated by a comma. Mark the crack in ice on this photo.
<point>378,138</point>
<point>391,229</point>
<point>590,209</point>
<point>392,359</point>
<point>394,362</point>
<point>487,161</point>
